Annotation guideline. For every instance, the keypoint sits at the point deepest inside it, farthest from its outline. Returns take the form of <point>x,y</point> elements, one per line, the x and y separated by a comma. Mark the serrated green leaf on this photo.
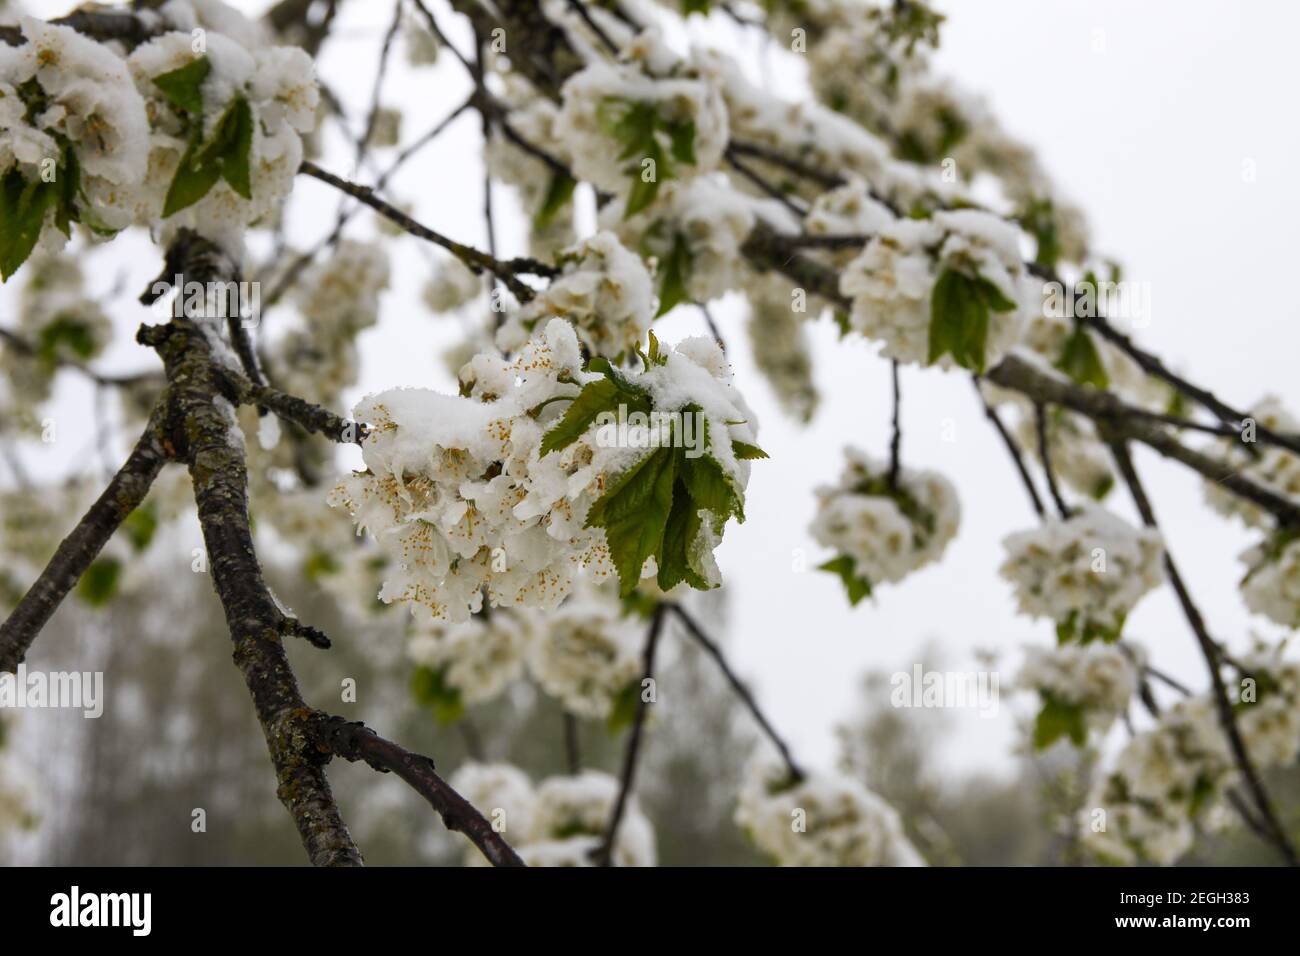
<point>711,488</point>
<point>679,535</point>
<point>99,583</point>
<point>1080,359</point>
<point>1059,719</point>
<point>634,512</point>
<point>845,568</point>
<point>183,87</point>
<point>644,190</point>
<point>226,154</point>
<point>595,399</point>
<point>682,138</point>
<point>747,452</point>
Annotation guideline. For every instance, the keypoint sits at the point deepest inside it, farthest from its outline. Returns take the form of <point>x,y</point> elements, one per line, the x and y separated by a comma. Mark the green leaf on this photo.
<point>97,585</point>
<point>64,335</point>
<point>594,400</point>
<point>1059,719</point>
<point>225,155</point>
<point>846,568</point>
<point>676,272</point>
<point>682,139</point>
<point>319,564</point>
<point>644,190</point>
<point>558,192</point>
<point>1080,359</point>
<point>959,317</point>
<point>1039,220</point>
<point>679,535</point>
<point>747,452</point>
<point>634,512</point>
<point>711,488</point>
<point>183,87</point>
<point>140,526</point>
<point>431,690</point>
<point>232,146</point>
<point>23,205</point>
<point>623,710</point>
<point>191,183</point>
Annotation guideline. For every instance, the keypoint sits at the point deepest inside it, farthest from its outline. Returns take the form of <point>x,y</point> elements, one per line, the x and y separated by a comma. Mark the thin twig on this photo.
<point>714,651</point>
<point>477,261</point>
<point>603,854</point>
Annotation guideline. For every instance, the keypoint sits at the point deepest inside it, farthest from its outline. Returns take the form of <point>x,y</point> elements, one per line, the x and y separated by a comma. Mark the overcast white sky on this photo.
<point>1143,112</point>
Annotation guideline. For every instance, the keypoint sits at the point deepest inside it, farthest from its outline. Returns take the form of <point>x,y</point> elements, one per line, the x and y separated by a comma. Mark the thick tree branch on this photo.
<point>257,624</point>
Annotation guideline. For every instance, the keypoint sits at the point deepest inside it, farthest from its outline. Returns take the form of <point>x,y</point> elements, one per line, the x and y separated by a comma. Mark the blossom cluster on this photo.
<point>824,819</point>
<point>200,127</point>
<point>560,821</point>
<point>1082,686</point>
<point>881,532</point>
<point>463,496</point>
<point>1086,572</point>
<point>1171,779</point>
<point>916,275</point>
<point>602,288</point>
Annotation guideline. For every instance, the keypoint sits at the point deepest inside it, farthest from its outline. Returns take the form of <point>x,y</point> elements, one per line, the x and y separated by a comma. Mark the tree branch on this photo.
<point>477,261</point>
<point>124,493</point>
<point>603,854</point>
<point>353,741</point>
<point>1210,651</point>
<point>743,692</point>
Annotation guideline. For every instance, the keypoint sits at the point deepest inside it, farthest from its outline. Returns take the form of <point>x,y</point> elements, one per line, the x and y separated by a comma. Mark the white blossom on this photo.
<point>887,532</point>
<point>824,820</point>
<point>1086,573</point>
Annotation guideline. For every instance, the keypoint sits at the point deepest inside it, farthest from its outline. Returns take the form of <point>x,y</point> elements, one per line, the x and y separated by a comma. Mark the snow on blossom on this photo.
<point>631,125</point>
<point>473,494</point>
<point>695,231</point>
<point>882,533</point>
<point>71,124</point>
<point>603,289</point>
<point>920,287</point>
<point>826,819</point>
<point>576,810</point>
<point>1086,572</point>
<point>225,127</point>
